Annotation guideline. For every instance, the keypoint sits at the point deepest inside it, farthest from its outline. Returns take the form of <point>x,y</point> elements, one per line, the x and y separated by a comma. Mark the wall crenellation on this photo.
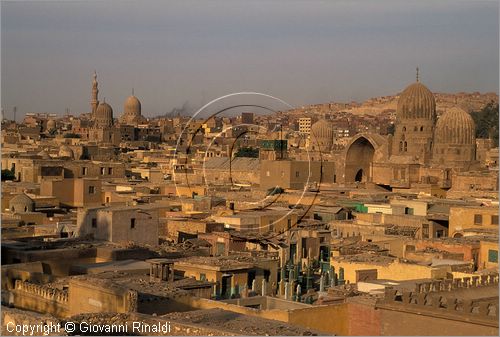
<point>51,294</point>
<point>433,295</point>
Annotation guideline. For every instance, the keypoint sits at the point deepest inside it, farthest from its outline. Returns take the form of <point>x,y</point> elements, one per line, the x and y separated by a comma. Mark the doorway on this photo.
<point>359,176</point>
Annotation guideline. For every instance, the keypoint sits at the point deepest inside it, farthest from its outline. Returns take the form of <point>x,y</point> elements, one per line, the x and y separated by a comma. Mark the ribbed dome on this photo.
<point>104,115</point>
<point>455,126</point>
<point>322,129</point>
<point>21,203</point>
<point>132,106</point>
<point>416,102</point>
<point>321,135</point>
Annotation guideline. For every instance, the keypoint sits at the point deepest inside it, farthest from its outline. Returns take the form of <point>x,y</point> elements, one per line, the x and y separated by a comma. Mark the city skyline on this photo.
<point>267,168</point>
<point>172,53</point>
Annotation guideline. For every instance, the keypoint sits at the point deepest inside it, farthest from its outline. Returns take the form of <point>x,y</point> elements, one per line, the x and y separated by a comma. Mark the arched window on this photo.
<point>400,146</point>
<point>421,128</point>
<point>404,128</point>
<point>405,146</point>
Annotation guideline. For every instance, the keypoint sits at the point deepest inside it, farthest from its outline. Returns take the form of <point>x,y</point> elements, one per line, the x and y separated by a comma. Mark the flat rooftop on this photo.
<point>239,324</point>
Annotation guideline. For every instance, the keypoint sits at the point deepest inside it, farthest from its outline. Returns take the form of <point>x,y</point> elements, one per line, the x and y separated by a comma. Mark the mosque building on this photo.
<point>423,149</point>
<point>102,130</point>
<point>94,102</point>
<point>103,116</point>
<point>321,136</point>
<point>132,111</point>
<point>105,129</point>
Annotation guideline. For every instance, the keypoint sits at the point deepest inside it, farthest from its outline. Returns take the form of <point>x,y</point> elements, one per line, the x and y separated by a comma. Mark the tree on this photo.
<point>248,152</point>
<point>72,135</point>
<point>487,122</point>
<point>8,175</point>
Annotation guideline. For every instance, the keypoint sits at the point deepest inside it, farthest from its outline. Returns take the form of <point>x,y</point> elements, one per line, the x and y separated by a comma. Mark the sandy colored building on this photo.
<point>423,149</point>
<point>80,192</point>
<point>295,175</point>
<point>386,267</point>
<point>120,224</point>
<point>231,276</point>
<point>262,221</point>
<point>488,254</point>
<point>468,220</point>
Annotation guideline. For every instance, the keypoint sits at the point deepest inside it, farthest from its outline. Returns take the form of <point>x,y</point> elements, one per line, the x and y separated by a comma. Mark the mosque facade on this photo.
<point>423,150</point>
<point>104,128</point>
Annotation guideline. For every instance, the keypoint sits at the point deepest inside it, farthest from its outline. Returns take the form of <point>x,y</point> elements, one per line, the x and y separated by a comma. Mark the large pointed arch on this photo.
<point>359,159</point>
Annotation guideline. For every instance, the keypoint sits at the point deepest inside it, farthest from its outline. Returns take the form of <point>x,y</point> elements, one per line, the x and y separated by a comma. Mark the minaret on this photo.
<point>94,102</point>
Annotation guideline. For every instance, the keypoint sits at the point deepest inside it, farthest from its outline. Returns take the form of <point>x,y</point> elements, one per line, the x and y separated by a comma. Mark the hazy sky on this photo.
<point>300,51</point>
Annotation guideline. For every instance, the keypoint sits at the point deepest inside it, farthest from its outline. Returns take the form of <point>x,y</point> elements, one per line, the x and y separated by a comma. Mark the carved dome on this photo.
<point>455,126</point>
<point>321,135</point>
<point>322,129</point>
<point>104,115</point>
<point>416,102</point>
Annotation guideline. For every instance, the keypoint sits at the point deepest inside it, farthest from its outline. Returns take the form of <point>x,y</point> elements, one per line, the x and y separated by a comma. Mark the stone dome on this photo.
<point>322,135</point>
<point>455,126</point>
<point>455,139</point>
<point>51,124</point>
<point>66,152</point>
<point>131,111</point>
<point>132,106</point>
<point>21,203</point>
<point>416,102</point>
<point>104,115</point>
<point>322,129</point>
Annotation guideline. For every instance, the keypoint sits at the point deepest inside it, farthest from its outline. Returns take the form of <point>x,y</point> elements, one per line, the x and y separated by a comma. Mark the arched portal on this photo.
<point>359,159</point>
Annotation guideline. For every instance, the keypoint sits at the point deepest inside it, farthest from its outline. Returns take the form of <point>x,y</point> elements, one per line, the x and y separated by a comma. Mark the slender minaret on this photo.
<point>94,102</point>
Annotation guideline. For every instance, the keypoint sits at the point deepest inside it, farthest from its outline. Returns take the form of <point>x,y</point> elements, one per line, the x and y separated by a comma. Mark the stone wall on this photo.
<point>90,296</point>
<point>369,325</point>
<point>438,308</point>
<point>305,317</point>
<point>39,298</point>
